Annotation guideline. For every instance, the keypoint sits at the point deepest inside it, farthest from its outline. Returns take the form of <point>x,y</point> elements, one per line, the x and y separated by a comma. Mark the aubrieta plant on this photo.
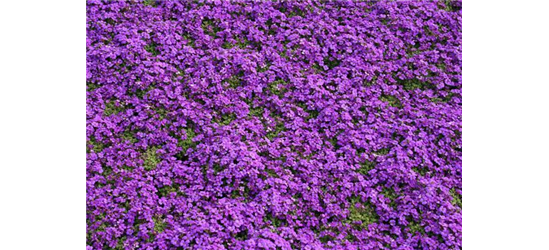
<point>273,124</point>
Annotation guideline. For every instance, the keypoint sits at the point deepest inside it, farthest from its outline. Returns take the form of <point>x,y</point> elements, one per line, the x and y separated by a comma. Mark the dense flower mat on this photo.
<point>273,125</point>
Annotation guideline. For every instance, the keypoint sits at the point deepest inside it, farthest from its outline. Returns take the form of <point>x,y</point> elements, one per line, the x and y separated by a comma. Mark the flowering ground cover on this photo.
<point>273,125</point>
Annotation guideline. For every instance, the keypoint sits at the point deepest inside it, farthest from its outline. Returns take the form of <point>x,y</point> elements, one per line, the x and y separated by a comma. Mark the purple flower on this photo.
<point>266,125</point>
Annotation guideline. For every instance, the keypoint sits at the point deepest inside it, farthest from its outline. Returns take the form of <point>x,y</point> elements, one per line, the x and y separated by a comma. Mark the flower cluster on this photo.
<point>273,124</point>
